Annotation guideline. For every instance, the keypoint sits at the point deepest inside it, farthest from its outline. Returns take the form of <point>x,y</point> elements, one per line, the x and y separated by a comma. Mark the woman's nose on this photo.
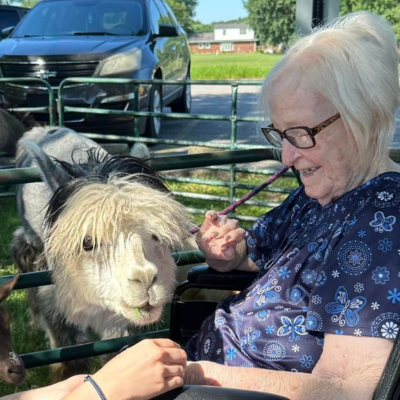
<point>290,153</point>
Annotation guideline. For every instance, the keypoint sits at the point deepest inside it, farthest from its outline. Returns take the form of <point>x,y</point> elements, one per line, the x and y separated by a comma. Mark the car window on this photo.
<point>166,18</point>
<point>72,17</point>
<point>156,18</point>
<point>8,18</point>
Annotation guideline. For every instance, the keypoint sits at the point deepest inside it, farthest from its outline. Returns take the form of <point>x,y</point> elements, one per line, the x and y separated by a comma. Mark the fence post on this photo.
<point>60,105</point>
<point>232,187</point>
<point>52,108</point>
<point>136,129</point>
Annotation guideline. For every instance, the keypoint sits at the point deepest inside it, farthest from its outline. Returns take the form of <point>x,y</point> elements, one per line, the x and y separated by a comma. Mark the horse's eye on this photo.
<point>88,243</point>
<point>155,238</point>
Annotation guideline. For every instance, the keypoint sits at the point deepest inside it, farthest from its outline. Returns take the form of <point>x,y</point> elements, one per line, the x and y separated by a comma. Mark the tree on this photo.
<point>184,11</point>
<point>29,3</point>
<point>390,9</point>
<point>272,20</point>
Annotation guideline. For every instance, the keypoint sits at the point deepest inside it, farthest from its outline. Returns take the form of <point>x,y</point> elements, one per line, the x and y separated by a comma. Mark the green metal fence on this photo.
<point>214,160</point>
<point>236,154</point>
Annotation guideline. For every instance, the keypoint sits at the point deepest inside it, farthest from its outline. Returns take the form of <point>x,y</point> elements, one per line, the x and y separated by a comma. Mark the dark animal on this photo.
<point>12,369</point>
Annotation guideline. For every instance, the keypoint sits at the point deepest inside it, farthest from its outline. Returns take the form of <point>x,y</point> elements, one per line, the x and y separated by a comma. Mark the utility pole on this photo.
<point>311,13</point>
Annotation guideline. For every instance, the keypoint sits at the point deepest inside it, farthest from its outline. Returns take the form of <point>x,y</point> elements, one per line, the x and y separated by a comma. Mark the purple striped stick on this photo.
<point>246,197</point>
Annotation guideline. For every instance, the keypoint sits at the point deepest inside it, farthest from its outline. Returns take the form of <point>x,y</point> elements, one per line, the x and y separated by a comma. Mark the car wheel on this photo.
<point>153,128</point>
<point>184,103</point>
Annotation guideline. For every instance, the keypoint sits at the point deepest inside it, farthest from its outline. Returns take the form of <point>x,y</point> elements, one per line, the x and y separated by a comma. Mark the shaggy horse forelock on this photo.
<point>102,210</point>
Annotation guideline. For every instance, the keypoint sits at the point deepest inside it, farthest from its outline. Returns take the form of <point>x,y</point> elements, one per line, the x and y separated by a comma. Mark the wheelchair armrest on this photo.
<point>188,392</point>
<point>204,276</point>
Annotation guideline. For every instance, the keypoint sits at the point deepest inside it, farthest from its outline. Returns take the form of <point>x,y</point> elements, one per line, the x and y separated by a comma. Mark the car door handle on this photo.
<point>173,47</point>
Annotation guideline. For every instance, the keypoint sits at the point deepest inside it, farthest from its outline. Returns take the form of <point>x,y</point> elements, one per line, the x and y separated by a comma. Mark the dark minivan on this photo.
<point>137,39</point>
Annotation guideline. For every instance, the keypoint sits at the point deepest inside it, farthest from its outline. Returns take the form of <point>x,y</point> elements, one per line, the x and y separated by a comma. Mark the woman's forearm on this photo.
<point>295,386</point>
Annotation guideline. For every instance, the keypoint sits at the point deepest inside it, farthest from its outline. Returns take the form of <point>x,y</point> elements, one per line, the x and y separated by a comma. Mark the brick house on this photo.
<point>231,38</point>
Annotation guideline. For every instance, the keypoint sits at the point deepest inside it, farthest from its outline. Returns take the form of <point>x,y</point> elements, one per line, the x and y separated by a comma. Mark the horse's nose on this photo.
<point>17,373</point>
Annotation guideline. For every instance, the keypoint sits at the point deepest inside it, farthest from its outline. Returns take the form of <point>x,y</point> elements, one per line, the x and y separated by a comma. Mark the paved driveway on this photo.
<point>217,100</point>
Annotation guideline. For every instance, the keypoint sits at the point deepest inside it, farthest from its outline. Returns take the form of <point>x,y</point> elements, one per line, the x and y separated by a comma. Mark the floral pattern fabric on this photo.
<point>332,269</point>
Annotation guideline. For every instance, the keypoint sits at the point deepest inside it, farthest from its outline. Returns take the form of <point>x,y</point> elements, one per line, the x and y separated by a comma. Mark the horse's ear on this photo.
<point>140,150</point>
<point>52,173</point>
<point>6,288</point>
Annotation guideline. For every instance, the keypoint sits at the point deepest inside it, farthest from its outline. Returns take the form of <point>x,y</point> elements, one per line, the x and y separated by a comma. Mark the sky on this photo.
<point>208,11</point>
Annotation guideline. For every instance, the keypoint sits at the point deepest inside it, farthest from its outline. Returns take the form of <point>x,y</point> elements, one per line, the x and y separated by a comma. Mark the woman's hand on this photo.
<point>222,242</point>
<point>146,370</point>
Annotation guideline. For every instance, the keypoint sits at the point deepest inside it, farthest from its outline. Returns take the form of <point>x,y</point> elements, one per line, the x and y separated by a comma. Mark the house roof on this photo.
<point>235,26</point>
<point>201,37</point>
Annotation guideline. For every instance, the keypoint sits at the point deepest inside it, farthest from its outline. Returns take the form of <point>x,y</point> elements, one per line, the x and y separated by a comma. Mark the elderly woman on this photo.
<point>319,321</point>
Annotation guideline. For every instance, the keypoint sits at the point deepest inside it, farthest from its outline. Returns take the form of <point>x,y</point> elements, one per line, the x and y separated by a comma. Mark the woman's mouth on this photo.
<point>308,172</point>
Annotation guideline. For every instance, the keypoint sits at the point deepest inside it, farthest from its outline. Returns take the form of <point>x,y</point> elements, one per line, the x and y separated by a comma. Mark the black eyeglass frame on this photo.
<point>312,132</point>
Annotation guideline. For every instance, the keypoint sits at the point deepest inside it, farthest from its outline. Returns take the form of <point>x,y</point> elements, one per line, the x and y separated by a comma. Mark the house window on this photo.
<point>224,32</point>
<point>243,31</point>
<point>201,46</point>
<point>207,46</point>
<point>227,46</point>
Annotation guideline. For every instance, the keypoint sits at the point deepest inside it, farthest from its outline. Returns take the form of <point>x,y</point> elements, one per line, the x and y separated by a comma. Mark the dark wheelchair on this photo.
<point>187,317</point>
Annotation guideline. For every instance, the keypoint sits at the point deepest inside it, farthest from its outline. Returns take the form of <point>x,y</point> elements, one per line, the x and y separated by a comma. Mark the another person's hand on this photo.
<point>150,368</point>
<point>222,242</point>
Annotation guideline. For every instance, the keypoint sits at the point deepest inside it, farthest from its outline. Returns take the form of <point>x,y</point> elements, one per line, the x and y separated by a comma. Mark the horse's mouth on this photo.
<point>144,315</point>
<point>145,309</point>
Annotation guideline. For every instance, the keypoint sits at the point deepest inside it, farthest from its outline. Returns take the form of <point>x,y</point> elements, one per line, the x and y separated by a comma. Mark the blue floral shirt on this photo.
<point>332,269</point>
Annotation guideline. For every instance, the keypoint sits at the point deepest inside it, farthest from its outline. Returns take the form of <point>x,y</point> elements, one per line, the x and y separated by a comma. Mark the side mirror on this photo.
<point>167,30</point>
<point>6,32</point>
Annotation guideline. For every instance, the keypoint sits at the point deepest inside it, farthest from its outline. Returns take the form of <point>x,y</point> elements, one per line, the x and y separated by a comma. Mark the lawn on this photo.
<point>232,66</point>
<point>24,338</point>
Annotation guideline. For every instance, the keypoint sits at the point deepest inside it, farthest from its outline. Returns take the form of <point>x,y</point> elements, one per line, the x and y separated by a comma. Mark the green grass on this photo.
<point>26,340</point>
<point>232,66</point>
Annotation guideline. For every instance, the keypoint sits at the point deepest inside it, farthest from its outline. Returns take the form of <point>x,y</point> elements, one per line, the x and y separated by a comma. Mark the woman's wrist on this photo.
<point>248,265</point>
<point>85,392</point>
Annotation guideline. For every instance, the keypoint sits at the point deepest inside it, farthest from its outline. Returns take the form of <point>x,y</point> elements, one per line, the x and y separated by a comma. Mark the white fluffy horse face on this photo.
<point>110,249</point>
<point>134,276</point>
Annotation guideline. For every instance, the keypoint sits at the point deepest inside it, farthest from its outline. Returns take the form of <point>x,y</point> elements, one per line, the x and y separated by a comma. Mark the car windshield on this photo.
<point>84,17</point>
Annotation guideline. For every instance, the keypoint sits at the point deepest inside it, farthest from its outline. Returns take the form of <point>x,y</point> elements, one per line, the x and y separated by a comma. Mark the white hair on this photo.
<point>353,63</point>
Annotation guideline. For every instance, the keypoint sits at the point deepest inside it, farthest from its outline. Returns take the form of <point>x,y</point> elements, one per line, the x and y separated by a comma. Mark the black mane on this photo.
<point>98,169</point>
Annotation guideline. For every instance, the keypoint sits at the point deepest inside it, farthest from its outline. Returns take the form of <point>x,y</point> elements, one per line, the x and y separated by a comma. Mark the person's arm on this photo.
<point>54,392</point>
<point>148,369</point>
<point>349,368</point>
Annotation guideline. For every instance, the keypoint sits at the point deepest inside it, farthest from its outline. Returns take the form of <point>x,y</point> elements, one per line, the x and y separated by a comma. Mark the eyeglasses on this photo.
<point>301,137</point>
